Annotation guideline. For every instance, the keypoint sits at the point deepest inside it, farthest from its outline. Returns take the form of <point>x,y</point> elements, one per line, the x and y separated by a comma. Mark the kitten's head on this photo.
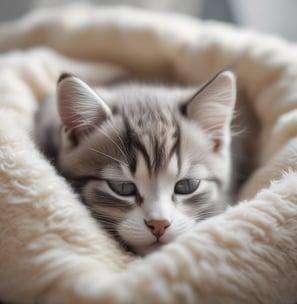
<point>149,161</point>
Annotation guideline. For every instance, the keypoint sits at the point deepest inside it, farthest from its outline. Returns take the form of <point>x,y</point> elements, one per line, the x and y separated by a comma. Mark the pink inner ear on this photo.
<point>212,108</point>
<point>80,108</point>
<point>66,110</point>
<point>68,116</point>
<point>68,119</point>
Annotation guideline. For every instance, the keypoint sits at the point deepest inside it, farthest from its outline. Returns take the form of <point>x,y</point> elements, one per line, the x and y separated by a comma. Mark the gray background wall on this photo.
<point>270,16</point>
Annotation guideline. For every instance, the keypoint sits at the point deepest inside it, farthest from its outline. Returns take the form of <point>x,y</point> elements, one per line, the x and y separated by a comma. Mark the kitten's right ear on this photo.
<point>80,108</point>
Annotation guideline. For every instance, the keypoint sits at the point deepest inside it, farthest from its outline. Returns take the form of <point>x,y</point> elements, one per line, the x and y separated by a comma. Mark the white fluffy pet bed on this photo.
<point>52,251</point>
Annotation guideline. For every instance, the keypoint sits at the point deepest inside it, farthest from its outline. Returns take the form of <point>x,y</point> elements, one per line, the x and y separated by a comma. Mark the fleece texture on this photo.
<point>52,251</point>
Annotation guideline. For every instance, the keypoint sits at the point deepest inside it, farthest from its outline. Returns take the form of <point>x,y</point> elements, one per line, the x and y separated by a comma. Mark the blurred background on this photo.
<point>268,16</point>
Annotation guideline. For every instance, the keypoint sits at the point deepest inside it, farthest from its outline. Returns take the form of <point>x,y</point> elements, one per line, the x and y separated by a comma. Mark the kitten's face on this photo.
<point>144,166</point>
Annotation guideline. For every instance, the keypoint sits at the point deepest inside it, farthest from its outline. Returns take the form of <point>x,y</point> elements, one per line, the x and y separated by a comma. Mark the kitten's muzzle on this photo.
<point>157,227</point>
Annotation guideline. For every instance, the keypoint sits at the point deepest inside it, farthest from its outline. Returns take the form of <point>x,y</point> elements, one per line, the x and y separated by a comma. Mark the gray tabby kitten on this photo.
<point>148,161</point>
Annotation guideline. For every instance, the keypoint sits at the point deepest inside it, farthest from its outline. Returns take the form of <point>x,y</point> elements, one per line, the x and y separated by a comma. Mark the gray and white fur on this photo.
<point>148,161</point>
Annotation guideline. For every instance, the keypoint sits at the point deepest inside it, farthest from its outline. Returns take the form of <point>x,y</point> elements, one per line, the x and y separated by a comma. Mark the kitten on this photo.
<point>148,161</point>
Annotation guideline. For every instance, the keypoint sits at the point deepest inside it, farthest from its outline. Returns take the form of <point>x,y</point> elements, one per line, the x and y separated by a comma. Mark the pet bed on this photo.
<point>52,251</point>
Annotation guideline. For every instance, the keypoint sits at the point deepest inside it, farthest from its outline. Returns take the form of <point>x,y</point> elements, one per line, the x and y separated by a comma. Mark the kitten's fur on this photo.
<point>149,161</point>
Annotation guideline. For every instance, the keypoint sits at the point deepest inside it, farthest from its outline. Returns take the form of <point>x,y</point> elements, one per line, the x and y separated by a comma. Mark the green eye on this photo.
<point>122,188</point>
<point>186,186</point>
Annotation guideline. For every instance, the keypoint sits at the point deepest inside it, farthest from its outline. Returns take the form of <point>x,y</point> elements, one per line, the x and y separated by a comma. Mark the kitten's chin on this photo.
<point>144,250</point>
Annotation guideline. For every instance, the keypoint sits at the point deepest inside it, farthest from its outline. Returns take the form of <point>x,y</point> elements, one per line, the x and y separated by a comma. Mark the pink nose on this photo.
<point>157,227</point>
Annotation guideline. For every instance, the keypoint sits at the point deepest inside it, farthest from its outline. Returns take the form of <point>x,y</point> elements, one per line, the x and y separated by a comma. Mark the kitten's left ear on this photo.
<point>80,108</point>
<point>212,107</point>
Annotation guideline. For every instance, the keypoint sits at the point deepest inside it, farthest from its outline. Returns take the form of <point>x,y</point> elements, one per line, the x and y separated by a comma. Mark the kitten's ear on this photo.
<point>212,107</point>
<point>80,108</point>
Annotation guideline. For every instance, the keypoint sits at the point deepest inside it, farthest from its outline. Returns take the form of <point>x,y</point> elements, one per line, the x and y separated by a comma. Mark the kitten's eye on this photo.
<point>186,186</point>
<point>123,188</point>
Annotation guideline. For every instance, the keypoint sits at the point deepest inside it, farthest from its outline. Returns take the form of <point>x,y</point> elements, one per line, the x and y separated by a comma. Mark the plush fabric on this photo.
<point>52,251</point>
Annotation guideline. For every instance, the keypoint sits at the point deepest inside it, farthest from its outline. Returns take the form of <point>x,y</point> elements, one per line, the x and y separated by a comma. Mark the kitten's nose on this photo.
<point>157,227</point>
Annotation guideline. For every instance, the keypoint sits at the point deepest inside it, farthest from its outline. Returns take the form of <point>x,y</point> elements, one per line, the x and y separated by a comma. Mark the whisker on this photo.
<point>102,215</point>
<point>110,138</point>
<point>104,218</point>
<point>208,211</point>
<point>108,156</point>
<point>118,135</point>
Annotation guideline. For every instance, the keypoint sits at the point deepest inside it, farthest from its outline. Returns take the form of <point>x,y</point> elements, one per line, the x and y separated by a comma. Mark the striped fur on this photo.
<point>142,134</point>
